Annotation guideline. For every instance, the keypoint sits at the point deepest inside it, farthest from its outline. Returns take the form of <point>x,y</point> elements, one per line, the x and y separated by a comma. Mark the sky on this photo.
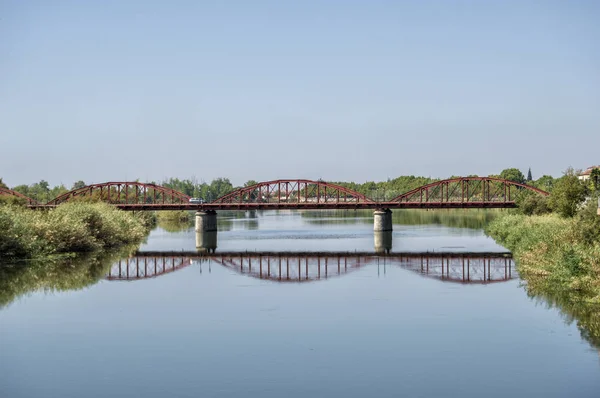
<point>339,90</point>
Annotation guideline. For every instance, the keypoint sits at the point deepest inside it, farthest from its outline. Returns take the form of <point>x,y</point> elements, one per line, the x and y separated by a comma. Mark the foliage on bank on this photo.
<point>559,258</point>
<point>556,242</point>
<point>71,227</point>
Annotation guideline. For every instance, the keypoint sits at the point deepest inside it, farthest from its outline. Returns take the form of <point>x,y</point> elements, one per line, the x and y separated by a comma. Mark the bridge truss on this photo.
<point>125,195</point>
<point>463,192</point>
<point>293,194</point>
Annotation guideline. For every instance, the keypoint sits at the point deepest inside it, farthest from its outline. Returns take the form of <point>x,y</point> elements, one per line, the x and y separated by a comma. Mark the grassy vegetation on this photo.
<point>72,227</point>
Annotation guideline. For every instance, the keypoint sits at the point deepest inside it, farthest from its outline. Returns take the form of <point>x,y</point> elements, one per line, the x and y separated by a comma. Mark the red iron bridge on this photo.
<point>464,192</point>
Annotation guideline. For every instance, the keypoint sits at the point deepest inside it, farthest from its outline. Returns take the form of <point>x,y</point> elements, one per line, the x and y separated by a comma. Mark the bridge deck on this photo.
<point>196,254</point>
<point>305,206</point>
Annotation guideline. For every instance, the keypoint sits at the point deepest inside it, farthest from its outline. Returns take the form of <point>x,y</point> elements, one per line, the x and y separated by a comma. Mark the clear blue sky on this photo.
<point>339,90</point>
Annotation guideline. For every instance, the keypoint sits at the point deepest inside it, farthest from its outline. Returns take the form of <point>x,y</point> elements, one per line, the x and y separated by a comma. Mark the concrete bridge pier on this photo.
<point>383,242</point>
<point>206,242</point>
<point>206,221</point>
<point>382,220</point>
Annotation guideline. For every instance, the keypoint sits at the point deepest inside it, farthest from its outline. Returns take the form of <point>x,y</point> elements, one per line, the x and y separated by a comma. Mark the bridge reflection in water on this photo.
<point>468,268</point>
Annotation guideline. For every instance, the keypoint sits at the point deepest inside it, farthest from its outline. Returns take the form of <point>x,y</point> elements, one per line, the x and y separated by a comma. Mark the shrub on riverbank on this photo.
<point>71,227</point>
<point>551,254</point>
<point>12,200</point>
<point>588,222</point>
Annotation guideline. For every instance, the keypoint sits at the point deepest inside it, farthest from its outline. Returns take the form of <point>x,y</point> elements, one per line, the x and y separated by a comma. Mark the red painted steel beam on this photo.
<point>117,185</point>
<point>275,186</point>
<point>485,181</point>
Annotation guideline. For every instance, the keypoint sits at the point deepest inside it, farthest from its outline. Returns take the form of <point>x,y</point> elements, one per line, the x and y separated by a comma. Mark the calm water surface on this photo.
<point>214,328</point>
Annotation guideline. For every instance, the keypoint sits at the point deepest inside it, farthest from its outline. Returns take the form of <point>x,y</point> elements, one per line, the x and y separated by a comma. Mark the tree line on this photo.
<point>43,192</point>
<point>381,190</point>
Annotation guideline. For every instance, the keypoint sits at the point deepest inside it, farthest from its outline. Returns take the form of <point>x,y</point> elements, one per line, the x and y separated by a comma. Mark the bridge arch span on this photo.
<point>10,192</point>
<point>297,191</point>
<point>465,191</point>
<point>123,193</point>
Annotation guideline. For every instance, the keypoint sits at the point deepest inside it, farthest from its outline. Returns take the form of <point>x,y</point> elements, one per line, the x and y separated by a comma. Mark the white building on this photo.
<point>584,176</point>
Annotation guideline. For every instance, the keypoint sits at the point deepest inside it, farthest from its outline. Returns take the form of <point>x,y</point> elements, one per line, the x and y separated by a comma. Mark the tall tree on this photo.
<point>568,194</point>
<point>513,175</point>
<point>545,182</point>
<point>23,189</point>
<point>529,176</point>
<point>78,184</point>
<point>594,180</point>
<point>219,187</point>
<point>2,184</point>
<point>40,191</point>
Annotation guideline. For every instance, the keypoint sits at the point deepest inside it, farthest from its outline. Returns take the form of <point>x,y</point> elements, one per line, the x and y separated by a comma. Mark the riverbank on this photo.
<point>70,228</point>
<point>558,261</point>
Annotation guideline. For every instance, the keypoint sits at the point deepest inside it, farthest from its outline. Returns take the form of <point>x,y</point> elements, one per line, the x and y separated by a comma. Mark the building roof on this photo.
<point>588,171</point>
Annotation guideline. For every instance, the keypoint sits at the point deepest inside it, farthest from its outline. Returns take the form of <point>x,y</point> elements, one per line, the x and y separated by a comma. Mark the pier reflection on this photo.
<point>467,268</point>
<point>206,242</point>
<point>382,241</point>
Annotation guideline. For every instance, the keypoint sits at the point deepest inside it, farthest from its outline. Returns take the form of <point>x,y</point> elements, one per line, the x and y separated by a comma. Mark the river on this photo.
<point>293,304</point>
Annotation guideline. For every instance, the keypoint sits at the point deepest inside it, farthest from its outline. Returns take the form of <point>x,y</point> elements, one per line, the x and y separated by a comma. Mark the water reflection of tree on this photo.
<point>176,225</point>
<point>455,218</point>
<point>55,274</point>
<point>586,315</point>
<point>224,223</point>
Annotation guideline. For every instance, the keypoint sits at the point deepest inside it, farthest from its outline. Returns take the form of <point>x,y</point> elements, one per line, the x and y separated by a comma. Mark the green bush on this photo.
<point>532,203</point>
<point>17,234</point>
<point>588,222</point>
<point>71,227</point>
<point>12,200</point>
<point>568,194</point>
